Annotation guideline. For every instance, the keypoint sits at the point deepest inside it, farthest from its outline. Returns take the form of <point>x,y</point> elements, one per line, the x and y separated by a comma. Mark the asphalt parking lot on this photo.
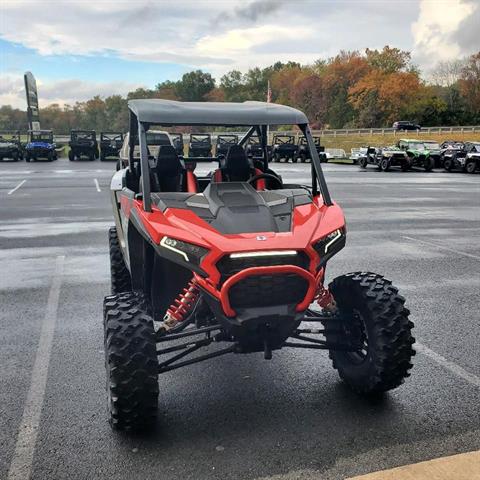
<point>237,417</point>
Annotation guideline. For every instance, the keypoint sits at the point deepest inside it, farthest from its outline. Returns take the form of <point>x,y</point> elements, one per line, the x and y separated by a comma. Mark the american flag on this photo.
<point>269,93</point>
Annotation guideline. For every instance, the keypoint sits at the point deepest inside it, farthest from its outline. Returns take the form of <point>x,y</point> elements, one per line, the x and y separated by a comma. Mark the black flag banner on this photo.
<point>32,101</point>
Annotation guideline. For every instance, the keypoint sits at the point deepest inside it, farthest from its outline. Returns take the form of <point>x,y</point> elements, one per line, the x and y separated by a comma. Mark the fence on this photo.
<point>63,139</point>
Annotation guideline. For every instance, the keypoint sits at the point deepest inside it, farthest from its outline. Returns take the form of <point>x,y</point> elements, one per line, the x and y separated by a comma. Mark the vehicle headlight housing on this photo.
<point>189,252</point>
<point>331,244</point>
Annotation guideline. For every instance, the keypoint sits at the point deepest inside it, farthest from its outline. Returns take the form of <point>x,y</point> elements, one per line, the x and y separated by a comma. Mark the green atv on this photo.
<point>418,155</point>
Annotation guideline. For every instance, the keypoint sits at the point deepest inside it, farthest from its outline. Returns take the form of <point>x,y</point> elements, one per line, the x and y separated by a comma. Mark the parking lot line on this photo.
<point>13,190</point>
<point>465,254</point>
<point>97,186</point>
<point>21,464</point>
<point>447,364</point>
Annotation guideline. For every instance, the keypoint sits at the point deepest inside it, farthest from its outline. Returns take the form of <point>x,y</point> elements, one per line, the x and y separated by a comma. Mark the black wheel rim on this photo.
<point>357,335</point>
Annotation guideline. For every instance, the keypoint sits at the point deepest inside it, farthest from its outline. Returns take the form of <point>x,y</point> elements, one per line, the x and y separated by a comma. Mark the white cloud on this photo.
<point>437,24</point>
<point>12,91</point>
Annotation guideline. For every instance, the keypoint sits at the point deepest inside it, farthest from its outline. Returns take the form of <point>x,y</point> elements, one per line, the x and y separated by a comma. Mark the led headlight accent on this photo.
<point>188,251</point>
<point>266,253</point>
<point>331,238</point>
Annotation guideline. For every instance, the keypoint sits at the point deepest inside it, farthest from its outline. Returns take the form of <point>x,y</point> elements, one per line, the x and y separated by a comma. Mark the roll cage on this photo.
<point>257,116</point>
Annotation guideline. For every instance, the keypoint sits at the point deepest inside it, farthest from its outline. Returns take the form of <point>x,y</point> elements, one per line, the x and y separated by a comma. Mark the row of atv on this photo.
<point>40,145</point>
<point>83,144</point>
<point>425,155</point>
<point>283,148</point>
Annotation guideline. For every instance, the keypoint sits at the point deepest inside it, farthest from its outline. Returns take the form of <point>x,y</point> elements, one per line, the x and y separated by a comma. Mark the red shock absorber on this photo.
<point>182,306</point>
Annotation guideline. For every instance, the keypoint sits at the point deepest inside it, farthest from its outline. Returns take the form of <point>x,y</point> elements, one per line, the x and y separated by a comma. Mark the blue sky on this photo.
<point>80,48</point>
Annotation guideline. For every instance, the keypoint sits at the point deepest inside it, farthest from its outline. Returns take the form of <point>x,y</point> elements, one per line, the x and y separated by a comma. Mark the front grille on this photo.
<point>268,290</point>
<point>265,290</point>
<point>228,266</point>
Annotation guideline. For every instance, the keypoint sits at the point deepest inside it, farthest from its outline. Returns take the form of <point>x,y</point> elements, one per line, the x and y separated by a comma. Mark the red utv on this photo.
<point>233,262</point>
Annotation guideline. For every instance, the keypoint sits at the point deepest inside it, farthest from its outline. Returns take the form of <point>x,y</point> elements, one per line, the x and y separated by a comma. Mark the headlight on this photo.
<point>188,251</point>
<point>331,244</point>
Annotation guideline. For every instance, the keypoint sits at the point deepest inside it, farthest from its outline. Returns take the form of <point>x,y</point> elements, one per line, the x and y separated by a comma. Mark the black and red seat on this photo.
<point>236,167</point>
<point>169,173</point>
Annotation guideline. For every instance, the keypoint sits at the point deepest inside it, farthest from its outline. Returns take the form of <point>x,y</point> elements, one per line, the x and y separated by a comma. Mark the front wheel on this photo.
<point>385,164</point>
<point>119,274</point>
<point>131,362</point>
<point>375,320</point>
<point>71,155</point>
<point>363,162</point>
<point>470,166</point>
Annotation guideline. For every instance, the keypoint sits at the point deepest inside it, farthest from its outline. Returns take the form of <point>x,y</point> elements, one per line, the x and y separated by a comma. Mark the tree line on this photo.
<point>354,89</point>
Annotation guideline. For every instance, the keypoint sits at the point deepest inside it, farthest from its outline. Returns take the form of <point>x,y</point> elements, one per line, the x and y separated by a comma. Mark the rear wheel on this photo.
<point>50,156</point>
<point>428,164</point>
<point>27,157</point>
<point>119,274</point>
<point>131,362</point>
<point>470,166</point>
<point>15,156</point>
<point>448,164</point>
<point>374,317</point>
<point>363,162</point>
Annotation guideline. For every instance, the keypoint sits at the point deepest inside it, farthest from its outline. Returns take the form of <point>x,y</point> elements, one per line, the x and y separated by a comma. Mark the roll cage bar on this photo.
<point>139,129</point>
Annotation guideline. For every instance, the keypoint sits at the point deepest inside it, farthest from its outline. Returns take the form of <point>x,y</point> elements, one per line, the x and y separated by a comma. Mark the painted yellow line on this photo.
<point>465,466</point>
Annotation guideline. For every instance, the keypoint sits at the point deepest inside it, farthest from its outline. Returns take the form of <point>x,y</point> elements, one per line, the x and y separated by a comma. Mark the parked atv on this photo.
<point>200,145</point>
<point>83,143</point>
<point>11,148</point>
<point>177,142</point>
<point>284,147</point>
<point>40,145</point>
<point>388,157</point>
<point>110,145</point>
<point>235,262</point>
<point>368,156</point>
<point>254,149</point>
<point>224,142</point>
<point>435,152</point>
<point>418,155</point>
<point>303,152</point>
<point>466,159</point>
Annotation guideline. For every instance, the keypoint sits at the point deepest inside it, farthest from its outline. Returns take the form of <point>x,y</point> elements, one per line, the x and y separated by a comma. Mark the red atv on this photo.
<point>233,262</point>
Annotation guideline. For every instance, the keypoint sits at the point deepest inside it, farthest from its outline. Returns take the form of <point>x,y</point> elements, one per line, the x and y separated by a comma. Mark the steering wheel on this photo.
<point>266,176</point>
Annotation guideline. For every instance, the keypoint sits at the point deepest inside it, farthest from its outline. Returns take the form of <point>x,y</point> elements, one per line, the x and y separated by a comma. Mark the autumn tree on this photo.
<point>469,84</point>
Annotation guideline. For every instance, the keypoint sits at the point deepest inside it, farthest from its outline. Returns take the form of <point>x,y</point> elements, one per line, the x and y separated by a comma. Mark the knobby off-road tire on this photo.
<point>448,164</point>
<point>363,162</point>
<point>131,363</point>
<point>385,165</point>
<point>373,315</point>
<point>119,274</point>
<point>428,164</point>
<point>470,166</point>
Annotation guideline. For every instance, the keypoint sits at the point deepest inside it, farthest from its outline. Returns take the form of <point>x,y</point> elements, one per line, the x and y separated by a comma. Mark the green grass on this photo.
<point>347,142</point>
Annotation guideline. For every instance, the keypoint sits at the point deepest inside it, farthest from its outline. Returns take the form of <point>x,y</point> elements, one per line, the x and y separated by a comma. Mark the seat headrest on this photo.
<point>236,162</point>
<point>168,163</point>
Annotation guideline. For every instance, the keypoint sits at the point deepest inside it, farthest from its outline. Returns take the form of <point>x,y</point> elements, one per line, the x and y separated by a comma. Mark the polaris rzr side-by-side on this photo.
<point>110,145</point>
<point>200,145</point>
<point>233,262</point>
<point>224,142</point>
<point>83,143</point>
<point>40,146</point>
<point>284,147</point>
<point>418,155</point>
<point>464,157</point>
<point>11,147</point>
<point>303,153</point>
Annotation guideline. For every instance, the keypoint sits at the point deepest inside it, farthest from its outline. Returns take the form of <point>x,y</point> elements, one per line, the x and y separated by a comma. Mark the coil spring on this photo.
<point>183,305</point>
